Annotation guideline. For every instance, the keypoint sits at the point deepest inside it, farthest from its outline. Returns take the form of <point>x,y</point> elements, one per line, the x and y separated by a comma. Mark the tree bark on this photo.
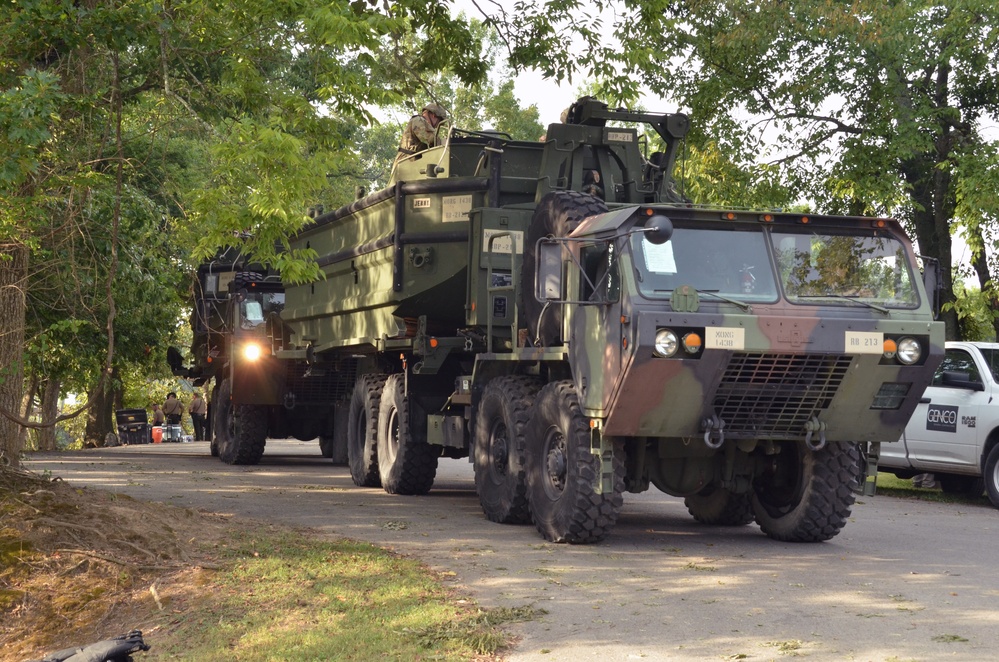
<point>27,409</point>
<point>50,410</point>
<point>100,415</point>
<point>13,279</point>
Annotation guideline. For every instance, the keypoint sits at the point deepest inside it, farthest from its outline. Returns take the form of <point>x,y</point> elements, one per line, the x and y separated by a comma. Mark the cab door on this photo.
<point>943,433</point>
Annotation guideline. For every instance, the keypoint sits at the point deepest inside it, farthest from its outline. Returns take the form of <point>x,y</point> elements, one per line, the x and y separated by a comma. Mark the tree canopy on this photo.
<point>858,107</point>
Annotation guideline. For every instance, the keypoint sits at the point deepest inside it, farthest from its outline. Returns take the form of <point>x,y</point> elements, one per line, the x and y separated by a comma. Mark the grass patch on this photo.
<point>206,587</point>
<point>890,485</point>
<point>288,597</point>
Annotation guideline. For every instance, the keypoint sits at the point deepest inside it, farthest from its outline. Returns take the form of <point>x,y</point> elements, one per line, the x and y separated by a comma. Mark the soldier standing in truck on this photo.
<point>421,132</point>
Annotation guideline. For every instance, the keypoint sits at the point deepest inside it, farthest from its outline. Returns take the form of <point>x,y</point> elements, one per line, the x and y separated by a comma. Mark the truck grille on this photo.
<point>324,384</point>
<point>774,395</point>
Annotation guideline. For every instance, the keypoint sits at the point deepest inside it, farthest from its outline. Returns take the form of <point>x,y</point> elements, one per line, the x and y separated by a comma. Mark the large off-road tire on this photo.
<point>407,464</point>
<point>991,475</point>
<point>562,473</point>
<point>244,278</point>
<point>972,486</point>
<point>213,409</point>
<point>806,496</point>
<point>556,215</point>
<point>717,506</point>
<point>362,430</point>
<point>241,431</point>
<point>500,448</point>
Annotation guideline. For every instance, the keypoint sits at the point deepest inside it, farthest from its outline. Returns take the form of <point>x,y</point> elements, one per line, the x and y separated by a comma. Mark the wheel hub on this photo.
<point>500,451</point>
<point>556,464</point>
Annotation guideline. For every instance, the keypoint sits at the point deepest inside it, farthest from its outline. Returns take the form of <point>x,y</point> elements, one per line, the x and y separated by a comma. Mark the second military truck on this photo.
<point>558,312</point>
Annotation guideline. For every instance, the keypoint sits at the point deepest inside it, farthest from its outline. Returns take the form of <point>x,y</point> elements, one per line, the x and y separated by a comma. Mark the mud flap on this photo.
<point>603,448</point>
<point>873,454</point>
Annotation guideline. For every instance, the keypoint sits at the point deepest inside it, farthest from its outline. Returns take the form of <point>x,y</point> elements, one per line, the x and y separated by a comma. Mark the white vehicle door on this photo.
<point>943,431</point>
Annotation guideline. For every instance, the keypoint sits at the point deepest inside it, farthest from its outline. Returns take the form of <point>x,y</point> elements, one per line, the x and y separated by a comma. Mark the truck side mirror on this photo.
<point>933,282</point>
<point>957,379</point>
<point>548,281</point>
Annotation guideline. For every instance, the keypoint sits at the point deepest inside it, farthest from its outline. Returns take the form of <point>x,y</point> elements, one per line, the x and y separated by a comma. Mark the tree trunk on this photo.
<point>50,410</point>
<point>13,280</point>
<point>27,409</point>
<point>932,223</point>
<point>980,262</point>
<point>100,415</point>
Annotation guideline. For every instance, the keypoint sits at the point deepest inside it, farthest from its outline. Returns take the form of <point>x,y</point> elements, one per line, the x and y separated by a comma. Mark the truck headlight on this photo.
<point>666,343</point>
<point>909,351</point>
<point>252,351</point>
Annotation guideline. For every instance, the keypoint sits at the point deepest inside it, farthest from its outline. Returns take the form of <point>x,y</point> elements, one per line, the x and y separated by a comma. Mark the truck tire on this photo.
<point>717,506</point>
<point>407,464</point>
<point>991,475</point>
<point>244,278</point>
<point>806,496</point>
<point>213,443</point>
<point>562,473</point>
<point>557,215</point>
<point>972,486</point>
<point>241,431</point>
<point>362,430</point>
<point>499,448</point>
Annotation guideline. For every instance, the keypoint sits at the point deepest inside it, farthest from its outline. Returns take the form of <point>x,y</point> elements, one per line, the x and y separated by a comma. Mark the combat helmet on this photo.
<point>436,109</point>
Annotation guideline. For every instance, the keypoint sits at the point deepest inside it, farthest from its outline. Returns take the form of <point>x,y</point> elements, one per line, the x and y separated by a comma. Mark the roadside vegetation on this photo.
<point>81,565</point>
<point>889,485</point>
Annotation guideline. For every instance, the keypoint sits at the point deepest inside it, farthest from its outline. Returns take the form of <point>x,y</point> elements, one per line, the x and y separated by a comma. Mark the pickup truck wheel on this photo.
<point>500,448</point>
<point>241,431</point>
<point>806,496</point>
<point>362,430</point>
<point>991,475</point>
<point>556,215</point>
<point>717,506</point>
<point>562,473</point>
<point>966,485</point>
<point>407,464</point>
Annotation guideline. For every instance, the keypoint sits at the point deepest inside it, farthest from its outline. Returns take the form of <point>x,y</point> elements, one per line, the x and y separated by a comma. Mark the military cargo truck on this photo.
<point>559,313</point>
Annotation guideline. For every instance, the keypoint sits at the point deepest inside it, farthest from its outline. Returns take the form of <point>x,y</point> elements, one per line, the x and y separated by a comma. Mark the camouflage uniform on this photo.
<point>420,134</point>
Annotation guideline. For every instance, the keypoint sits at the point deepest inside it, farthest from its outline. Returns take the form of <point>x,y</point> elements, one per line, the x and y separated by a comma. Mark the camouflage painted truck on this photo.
<point>580,345</point>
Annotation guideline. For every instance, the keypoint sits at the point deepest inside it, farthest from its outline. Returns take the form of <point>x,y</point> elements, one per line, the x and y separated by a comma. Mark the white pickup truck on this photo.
<point>954,432</point>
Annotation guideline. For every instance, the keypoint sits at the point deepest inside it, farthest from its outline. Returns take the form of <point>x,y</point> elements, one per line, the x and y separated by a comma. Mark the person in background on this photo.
<point>198,409</point>
<point>158,418</point>
<point>172,409</point>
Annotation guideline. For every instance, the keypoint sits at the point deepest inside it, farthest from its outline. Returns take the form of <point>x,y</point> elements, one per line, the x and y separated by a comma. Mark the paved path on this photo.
<point>905,580</point>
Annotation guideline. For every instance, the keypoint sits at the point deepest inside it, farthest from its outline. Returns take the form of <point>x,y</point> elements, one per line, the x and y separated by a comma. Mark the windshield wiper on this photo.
<point>735,302</point>
<point>851,299</point>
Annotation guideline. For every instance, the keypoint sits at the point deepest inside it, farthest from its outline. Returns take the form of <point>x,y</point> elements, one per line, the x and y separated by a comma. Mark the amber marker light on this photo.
<point>890,347</point>
<point>433,342</point>
<point>880,223</point>
<point>728,216</point>
<point>624,343</point>
<point>767,218</point>
<point>805,219</point>
<point>692,343</point>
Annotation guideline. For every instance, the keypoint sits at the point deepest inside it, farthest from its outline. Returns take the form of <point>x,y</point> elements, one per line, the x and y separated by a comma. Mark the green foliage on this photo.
<point>860,107</point>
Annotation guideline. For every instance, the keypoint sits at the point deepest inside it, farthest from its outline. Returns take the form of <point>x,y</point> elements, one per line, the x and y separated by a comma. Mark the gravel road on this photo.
<point>905,580</point>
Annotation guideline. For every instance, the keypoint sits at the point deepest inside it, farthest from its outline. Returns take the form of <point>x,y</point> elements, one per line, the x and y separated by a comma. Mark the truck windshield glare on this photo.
<point>870,268</point>
<point>732,263</point>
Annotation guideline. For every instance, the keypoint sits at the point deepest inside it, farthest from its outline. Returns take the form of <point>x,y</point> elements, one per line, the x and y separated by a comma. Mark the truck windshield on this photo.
<point>732,263</point>
<point>839,268</point>
<point>253,310</point>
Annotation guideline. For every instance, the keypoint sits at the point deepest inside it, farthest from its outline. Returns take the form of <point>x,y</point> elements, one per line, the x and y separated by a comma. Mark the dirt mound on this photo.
<point>79,565</point>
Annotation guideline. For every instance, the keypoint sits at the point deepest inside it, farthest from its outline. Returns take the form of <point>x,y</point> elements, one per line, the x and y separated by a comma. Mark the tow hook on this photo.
<point>812,426</point>
<point>714,432</point>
